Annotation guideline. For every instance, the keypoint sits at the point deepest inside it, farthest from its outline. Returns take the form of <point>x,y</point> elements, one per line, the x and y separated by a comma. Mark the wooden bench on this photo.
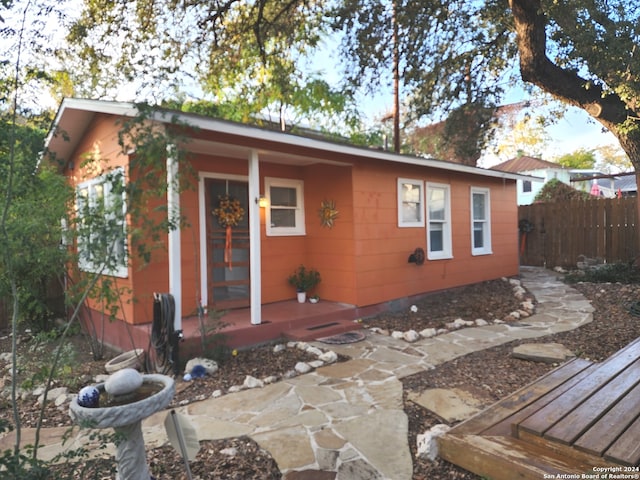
<point>575,418</point>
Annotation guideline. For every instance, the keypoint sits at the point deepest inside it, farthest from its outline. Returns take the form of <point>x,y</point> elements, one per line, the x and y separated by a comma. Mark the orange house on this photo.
<point>461,220</point>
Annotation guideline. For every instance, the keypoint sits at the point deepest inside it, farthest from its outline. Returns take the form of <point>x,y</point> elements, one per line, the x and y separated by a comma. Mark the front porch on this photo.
<point>288,319</point>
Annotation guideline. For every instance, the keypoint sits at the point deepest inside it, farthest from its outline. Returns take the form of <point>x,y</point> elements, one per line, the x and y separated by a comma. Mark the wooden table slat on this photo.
<point>600,436</point>
<point>521,398</point>
<point>626,449</point>
<point>496,414</point>
<point>540,394</point>
<point>549,415</point>
<point>589,412</point>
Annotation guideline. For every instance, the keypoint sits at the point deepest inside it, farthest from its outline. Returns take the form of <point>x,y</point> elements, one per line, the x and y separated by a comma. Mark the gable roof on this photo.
<point>74,117</point>
<point>526,164</point>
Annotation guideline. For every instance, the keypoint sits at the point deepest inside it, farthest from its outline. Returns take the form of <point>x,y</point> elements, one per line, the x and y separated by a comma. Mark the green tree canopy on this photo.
<point>580,159</point>
<point>248,57</point>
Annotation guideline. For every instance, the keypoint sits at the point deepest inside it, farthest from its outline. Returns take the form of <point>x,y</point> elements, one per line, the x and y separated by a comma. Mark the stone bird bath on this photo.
<point>128,398</point>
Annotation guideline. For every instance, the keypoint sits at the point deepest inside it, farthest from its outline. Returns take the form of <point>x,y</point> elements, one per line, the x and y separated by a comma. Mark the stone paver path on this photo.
<point>348,417</point>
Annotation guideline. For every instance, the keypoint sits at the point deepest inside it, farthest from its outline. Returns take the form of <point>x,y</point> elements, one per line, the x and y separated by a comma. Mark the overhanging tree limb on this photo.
<point>566,85</point>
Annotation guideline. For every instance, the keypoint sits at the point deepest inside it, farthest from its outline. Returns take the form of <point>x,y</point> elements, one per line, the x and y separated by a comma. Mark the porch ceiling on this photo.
<point>208,147</point>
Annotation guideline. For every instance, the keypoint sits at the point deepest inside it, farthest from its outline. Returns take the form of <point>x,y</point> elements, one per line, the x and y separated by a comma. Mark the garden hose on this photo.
<point>163,343</point>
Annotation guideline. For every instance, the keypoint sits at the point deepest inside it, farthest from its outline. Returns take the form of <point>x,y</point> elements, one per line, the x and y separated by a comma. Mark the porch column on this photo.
<point>175,255</point>
<point>255,257</point>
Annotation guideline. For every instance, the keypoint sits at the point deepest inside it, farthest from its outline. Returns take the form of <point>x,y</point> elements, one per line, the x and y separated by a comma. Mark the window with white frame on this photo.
<point>480,221</point>
<point>285,213</point>
<point>102,232</point>
<point>438,221</point>
<point>410,203</point>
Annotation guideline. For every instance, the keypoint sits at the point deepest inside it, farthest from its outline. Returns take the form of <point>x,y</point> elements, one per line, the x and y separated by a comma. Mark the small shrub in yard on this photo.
<point>608,273</point>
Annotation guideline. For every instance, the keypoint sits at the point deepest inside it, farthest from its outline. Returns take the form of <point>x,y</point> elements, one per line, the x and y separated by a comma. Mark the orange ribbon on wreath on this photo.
<point>228,251</point>
<point>229,213</point>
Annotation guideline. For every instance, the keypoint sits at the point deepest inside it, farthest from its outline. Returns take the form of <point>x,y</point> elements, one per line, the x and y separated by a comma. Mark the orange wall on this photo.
<point>97,153</point>
<point>328,250</point>
<point>362,259</point>
<point>382,248</point>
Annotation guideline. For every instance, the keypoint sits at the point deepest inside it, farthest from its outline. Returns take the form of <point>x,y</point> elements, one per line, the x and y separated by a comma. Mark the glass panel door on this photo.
<point>228,248</point>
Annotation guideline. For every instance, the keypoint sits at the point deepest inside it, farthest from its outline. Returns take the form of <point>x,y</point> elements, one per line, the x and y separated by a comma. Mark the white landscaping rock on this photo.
<point>302,367</point>
<point>61,399</point>
<point>411,336</point>
<point>428,332</point>
<point>397,335</point>
<point>329,357</point>
<point>519,292</point>
<point>281,347</point>
<point>427,445</point>
<point>481,322</point>
<point>528,306</point>
<point>209,365</point>
<point>54,393</point>
<point>252,382</point>
<point>313,351</point>
<point>316,363</point>
<point>230,452</point>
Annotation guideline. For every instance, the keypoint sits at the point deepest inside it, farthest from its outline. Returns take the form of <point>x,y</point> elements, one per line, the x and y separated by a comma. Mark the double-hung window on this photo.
<point>480,221</point>
<point>102,233</point>
<point>285,213</point>
<point>410,203</point>
<point>438,221</point>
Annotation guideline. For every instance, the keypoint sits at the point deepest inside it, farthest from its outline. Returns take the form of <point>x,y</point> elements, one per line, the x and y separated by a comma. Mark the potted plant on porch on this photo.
<point>304,279</point>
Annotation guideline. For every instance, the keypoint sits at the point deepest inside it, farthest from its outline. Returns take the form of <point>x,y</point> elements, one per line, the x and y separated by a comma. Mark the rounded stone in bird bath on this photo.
<point>123,383</point>
<point>125,400</point>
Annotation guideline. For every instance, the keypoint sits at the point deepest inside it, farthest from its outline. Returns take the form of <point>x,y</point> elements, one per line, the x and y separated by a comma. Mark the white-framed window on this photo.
<point>480,221</point>
<point>410,203</point>
<point>102,231</point>
<point>438,221</point>
<point>285,212</point>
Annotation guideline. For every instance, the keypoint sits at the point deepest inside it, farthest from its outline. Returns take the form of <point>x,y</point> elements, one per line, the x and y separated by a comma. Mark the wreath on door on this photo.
<point>229,214</point>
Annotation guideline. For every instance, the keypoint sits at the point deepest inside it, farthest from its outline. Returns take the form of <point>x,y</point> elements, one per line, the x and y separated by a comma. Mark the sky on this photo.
<point>573,132</point>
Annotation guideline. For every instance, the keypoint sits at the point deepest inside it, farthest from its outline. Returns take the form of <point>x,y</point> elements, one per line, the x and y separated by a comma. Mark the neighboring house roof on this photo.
<point>626,183</point>
<point>74,117</point>
<point>526,164</point>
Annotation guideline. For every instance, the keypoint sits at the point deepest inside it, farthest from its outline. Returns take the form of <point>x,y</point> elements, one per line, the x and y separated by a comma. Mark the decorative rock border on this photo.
<point>324,357</point>
<point>527,308</point>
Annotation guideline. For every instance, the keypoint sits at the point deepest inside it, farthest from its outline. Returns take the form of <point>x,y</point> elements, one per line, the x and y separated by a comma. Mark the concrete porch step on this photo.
<point>324,329</point>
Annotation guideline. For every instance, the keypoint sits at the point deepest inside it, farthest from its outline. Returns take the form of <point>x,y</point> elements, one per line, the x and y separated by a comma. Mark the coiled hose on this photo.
<point>163,343</point>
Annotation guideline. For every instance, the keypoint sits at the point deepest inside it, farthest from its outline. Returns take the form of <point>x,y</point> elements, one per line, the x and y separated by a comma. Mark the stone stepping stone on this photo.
<point>543,352</point>
<point>451,405</point>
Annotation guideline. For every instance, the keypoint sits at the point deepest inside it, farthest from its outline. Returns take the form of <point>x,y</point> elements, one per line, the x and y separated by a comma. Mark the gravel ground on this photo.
<point>489,374</point>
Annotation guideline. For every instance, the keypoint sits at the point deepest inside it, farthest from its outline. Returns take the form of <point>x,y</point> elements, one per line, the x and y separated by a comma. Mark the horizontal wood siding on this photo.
<point>100,143</point>
<point>382,248</point>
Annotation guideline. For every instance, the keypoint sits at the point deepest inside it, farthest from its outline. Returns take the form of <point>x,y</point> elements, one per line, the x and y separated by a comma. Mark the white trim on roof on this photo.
<point>248,131</point>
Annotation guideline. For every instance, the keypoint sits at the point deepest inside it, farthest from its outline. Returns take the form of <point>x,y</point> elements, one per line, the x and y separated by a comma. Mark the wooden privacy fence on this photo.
<point>562,231</point>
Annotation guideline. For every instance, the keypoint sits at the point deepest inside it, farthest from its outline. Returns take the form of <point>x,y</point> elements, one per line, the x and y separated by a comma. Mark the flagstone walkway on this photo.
<point>348,417</point>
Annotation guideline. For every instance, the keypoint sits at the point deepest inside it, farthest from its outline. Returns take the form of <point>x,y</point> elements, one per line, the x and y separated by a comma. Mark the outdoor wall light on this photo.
<point>263,202</point>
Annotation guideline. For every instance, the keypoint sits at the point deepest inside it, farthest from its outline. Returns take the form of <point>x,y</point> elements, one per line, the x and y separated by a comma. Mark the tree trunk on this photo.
<point>565,85</point>
<point>568,87</point>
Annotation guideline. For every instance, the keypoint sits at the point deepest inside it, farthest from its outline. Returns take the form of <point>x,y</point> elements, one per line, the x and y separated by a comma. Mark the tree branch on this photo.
<point>565,85</point>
